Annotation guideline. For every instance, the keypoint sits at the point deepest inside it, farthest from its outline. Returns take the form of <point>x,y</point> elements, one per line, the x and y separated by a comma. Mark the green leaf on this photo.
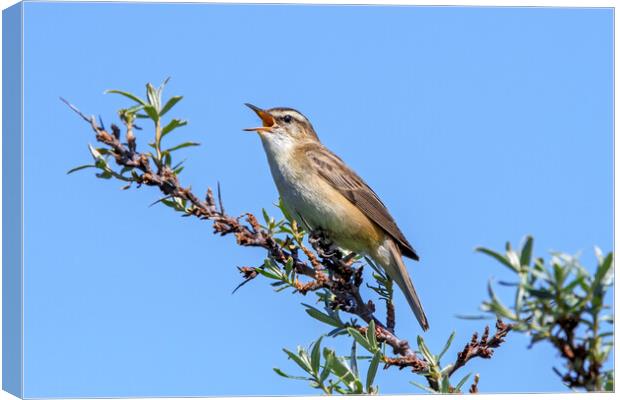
<point>169,104</point>
<point>359,338</point>
<point>316,314</point>
<point>95,153</point>
<point>151,112</point>
<point>471,317</point>
<point>599,254</point>
<point>173,204</point>
<point>266,217</point>
<point>315,356</point>
<point>462,382</point>
<point>609,384</point>
<point>372,370</point>
<point>128,95</point>
<point>543,294</point>
<point>288,266</point>
<point>513,258</point>
<point>540,272</point>
<point>134,109</point>
<point>520,293</point>
<point>559,274</point>
<point>353,358</point>
<point>497,306</point>
<point>151,94</point>
<point>446,346</point>
<point>72,170</point>
<point>498,257</point>
<point>526,251</point>
<point>371,334</point>
<point>445,385</point>
<point>604,269</point>
<point>341,369</point>
<point>172,125</point>
<point>166,158</point>
<point>425,388</point>
<point>104,175</point>
<point>267,274</point>
<point>425,351</point>
<point>327,355</point>
<point>182,146</point>
<point>299,361</point>
<point>285,375</point>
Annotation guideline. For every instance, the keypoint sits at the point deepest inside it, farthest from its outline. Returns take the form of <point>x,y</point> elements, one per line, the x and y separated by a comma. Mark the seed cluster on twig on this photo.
<point>482,347</point>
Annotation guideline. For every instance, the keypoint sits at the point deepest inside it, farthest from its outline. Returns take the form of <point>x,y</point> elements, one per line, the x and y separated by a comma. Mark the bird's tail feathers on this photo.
<point>397,270</point>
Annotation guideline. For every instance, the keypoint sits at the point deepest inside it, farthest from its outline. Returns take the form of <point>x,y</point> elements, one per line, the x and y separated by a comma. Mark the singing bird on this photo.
<point>322,192</point>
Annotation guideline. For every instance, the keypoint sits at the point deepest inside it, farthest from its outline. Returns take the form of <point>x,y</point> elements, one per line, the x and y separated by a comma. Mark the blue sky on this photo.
<point>475,126</point>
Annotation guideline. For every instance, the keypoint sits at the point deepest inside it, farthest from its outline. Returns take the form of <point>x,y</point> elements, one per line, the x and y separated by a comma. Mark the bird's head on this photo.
<point>283,126</point>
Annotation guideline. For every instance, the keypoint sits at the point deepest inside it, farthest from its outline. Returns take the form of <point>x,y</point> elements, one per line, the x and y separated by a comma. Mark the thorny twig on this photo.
<point>482,348</point>
<point>343,279</point>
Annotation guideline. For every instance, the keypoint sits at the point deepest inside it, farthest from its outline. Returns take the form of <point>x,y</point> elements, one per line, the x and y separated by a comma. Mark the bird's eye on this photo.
<point>287,119</point>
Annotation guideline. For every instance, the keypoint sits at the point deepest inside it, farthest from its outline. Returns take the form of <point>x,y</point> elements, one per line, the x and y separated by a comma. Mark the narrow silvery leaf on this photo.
<point>182,146</point>
<point>354,358</point>
<point>172,125</point>
<point>360,339</point>
<point>314,313</point>
<point>72,170</point>
<point>94,152</point>
<point>526,251</point>
<point>425,388</point>
<point>128,95</point>
<point>343,371</point>
<point>425,351</point>
<point>512,257</point>
<point>266,216</point>
<point>462,382</point>
<point>371,334</point>
<point>445,385</point>
<point>599,254</point>
<point>151,112</point>
<point>169,104</point>
<point>285,375</point>
<point>498,257</point>
<point>446,346</point>
<point>151,95</point>
<point>372,371</point>
<point>303,354</point>
<point>497,305</point>
<point>315,356</point>
<point>298,360</point>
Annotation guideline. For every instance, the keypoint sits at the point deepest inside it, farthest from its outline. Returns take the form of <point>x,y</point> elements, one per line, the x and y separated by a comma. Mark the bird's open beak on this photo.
<point>267,119</point>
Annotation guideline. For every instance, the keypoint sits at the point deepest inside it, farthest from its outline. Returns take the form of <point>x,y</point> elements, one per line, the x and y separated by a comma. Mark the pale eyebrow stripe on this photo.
<point>298,116</point>
<point>293,113</point>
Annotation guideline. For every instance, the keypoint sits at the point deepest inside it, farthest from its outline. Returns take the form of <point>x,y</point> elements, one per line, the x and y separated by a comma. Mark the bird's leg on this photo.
<point>349,259</point>
<point>322,244</point>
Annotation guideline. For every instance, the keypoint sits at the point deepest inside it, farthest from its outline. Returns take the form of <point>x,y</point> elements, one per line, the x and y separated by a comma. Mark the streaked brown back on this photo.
<point>352,187</point>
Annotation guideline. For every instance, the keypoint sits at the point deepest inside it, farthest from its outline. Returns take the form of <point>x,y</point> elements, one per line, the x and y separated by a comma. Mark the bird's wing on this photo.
<point>351,186</point>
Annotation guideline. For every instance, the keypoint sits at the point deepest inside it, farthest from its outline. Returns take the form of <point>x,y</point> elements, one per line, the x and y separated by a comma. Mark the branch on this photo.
<point>344,280</point>
<point>482,348</point>
<point>327,267</point>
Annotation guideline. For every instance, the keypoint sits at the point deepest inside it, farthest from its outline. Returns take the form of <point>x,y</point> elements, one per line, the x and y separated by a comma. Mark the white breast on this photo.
<point>301,190</point>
